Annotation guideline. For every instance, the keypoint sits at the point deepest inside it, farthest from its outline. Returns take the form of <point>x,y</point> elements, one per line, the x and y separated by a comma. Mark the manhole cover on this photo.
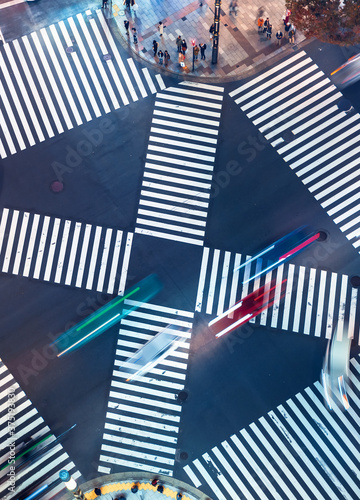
<point>355,281</point>
<point>182,396</point>
<point>184,455</point>
<point>107,57</point>
<point>288,136</point>
<point>322,236</point>
<point>56,186</point>
<point>69,50</point>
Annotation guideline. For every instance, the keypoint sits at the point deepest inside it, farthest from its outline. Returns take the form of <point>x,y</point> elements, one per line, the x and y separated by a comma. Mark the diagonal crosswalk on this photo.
<point>63,76</point>
<point>175,193</point>
<point>64,252</point>
<point>27,422</point>
<point>298,109</point>
<point>143,417</point>
<point>299,451</point>
<point>315,300</point>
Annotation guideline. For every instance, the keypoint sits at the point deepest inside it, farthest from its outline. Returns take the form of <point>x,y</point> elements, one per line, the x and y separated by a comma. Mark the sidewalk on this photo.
<point>241,48</point>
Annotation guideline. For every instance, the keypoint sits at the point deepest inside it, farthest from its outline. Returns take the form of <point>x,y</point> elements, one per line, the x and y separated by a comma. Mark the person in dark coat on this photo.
<point>155,47</point>
<point>178,43</point>
<point>269,31</point>
<point>266,24</point>
<point>279,37</point>
<point>183,47</point>
<point>202,50</point>
<point>160,56</point>
<point>212,31</point>
<point>126,24</point>
<point>166,57</point>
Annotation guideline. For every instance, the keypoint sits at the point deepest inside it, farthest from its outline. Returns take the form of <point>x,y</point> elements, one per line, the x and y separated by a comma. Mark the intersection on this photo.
<point>185,179</point>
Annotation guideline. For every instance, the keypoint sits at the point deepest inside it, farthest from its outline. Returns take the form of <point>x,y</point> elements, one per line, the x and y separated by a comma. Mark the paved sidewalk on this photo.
<point>240,48</point>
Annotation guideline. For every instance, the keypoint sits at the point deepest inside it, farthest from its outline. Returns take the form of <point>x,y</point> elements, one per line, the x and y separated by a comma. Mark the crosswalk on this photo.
<point>299,451</point>
<point>64,252</point>
<point>315,300</point>
<point>179,164</point>
<point>63,76</point>
<point>143,417</point>
<point>298,109</point>
<point>27,422</point>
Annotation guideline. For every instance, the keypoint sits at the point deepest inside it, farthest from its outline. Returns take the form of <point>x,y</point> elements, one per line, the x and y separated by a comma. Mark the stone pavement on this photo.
<point>241,48</point>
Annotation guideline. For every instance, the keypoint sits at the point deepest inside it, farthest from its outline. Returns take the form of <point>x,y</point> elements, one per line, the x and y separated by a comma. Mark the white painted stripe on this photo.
<point>125,266</point>
<point>149,80</point>
<point>209,480</point>
<point>166,384</point>
<point>52,249</point>
<point>72,77</point>
<point>192,476</point>
<point>109,63</point>
<point>331,305</point>
<point>180,162</point>
<point>182,144</point>
<point>354,234</point>
<point>159,215</point>
<point>12,120</point>
<point>202,277</point>
<point>139,432</point>
<point>348,213</point>
<point>133,465</point>
<point>185,100</point>
<point>352,314</point>
<point>175,199</point>
<point>104,470</point>
<point>162,319</point>
<point>72,255</point>
<point>7,135</point>
<point>335,186</point>
<point>60,76</point>
<point>167,236</point>
<point>330,166</point>
<point>195,93</point>
<point>137,77</point>
<point>263,315</point>
<point>115,52</point>
<point>235,281</point>
<point>224,277</point>
<point>115,261</point>
<point>277,297</point>
<point>176,180</point>
<point>227,467</point>
<point>160,82</point>
<point>205,86</point>
<point>84,250</point>
<point>24,93</point>
<point>10,241</point>
<point>81,73</point>
<point>181,135</point>
<point>88,64</point>
<point>212,284</point>
<point>220,477</point>
<point>348,225</point>
<point>139,421</point>
<point>41,247</point>
<point>177,152</point>
<point>170,227</point>
<point>320,306</point>
<point>139,444</point>
<point>309,301</point>
<point>189,110</point>
<point>104,258</point>
<point>30,245</point>
<point>181,171</point>
<point>60,263</point>
<point>159,415</point>
<point>21,241</point>
<point>51,79</point>
<point>288,295</point>
<point>180,118</point>
<point>342,307</point>
<point>156,307</point>
<point>173,208</point>
<point>146,401</point>
<point>299,297</point>
<point>93,259</point>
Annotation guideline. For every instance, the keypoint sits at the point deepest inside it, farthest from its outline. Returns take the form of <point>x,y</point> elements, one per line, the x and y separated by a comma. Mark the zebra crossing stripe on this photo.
<point>143,417</point>
<point>314,299</point>
<point>310,133</point>
<point>322,462</point>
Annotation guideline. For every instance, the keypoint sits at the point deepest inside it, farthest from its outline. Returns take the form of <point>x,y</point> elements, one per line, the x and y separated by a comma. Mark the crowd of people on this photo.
<point>265,29</point>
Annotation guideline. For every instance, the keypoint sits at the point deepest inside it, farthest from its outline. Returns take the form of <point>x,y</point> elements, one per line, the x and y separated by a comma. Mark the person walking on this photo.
<point>233,7</point>
<point>183,47</point>
<point>181,59</point>
<point>292,36</point>
<point>279,36</point>
<point>161,28</point>
<point>269,31</point>
<point>160,56</point>
<point>126,24</point>
<point>127,4</point>
<point>104,4</point>
<point>155,47</point>
<point>196,52</point>
<point>134,35</point>
<point>266,24</point>
<point>260,23</point>
<point>287,28</point>
<point>166,57</point>
<point>178,43</point>
<point>202,50</point>
<point>212,31</point>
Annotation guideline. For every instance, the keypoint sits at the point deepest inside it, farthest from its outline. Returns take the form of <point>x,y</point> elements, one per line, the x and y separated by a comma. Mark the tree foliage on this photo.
<point>331,21</point>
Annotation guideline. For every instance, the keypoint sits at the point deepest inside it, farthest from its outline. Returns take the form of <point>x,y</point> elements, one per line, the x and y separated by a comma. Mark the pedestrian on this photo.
<point>161,28</point>
<point>233,7</point>
<point>134,35</point>
<point>287,28</point>
<point>260,23</point>
<point>181,59</point>
<point>160,56</point>
<point>266,24</point>
<point>279,36</point>
<point>126,24</point>
<point>166,57</point>
<point>196,52</point>
<point>104,3</point>
<point>178,43</point>
<point>212,31</point>
<point>269,31</point>
<point>155,47</point>
<point>127,4</point>
<point>292,36</point>
<point>202,50</point>
<point>183,47</point>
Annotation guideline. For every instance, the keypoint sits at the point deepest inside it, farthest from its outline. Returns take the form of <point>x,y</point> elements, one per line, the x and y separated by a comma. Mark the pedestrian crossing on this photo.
<point>27,422</point>
<point>179,164</point>
<point>143,417</point>
<point>63,76</point>
<point>315,300</point>
<point>64,252</point>
<point>299,451</point>
<point>297,108</point>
